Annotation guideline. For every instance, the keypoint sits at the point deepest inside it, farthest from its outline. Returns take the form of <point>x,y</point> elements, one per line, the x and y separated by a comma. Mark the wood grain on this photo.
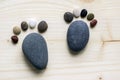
<point>99,61</point>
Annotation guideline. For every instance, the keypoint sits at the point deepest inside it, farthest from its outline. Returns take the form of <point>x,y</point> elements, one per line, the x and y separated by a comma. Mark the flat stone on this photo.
<point>35,50</point>
<point>77,35</point>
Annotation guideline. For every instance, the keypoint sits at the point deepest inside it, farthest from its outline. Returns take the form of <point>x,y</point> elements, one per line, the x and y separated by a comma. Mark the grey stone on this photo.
<point>68,17</point>
<point>24,26</point>
<point>35,50</point>
<point>77,35</point>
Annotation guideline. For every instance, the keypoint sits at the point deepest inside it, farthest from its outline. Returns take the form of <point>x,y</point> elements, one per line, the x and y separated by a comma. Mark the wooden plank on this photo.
<point>100,59</point>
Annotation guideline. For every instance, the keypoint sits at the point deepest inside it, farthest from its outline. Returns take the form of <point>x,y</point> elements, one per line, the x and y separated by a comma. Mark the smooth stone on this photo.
<point>77,35</point>
<point>14,39</point>
<point>16,30</point>
<point>68,17</point>
<point>42,26</point>
<point>35,49</point>
<point>76,13</point>
<point>24,25</point>
<point>90,16</point>
<point>32,23</point>
<point>93,23</point>
<point>83,13</point>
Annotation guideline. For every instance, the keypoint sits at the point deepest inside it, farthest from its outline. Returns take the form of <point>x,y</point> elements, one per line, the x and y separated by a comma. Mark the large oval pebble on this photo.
<point>35,49</point>
<point>77,35</point>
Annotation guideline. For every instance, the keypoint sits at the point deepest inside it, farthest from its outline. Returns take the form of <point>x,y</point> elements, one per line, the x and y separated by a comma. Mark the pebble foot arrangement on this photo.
<point>34,45</point>
<point>78,31</point>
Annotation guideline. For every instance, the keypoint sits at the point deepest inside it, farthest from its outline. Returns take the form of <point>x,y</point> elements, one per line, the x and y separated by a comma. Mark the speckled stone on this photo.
<point>68,17</point>
<point>77,35</point>
<point>35,50</point>
<point>16,30</point>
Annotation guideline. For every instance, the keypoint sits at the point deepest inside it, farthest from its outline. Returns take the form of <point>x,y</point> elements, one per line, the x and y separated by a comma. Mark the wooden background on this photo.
<point>99,61</point>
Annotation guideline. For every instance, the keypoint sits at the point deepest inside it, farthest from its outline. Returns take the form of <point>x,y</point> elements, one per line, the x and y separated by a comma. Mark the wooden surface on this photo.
<point>99,61</point>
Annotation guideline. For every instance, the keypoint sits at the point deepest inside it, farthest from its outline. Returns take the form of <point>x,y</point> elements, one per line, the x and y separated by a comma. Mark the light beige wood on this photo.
<point>99,61</point>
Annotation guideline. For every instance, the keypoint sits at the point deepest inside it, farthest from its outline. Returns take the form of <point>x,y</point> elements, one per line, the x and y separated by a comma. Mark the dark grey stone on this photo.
<point>35,50</point>
<point>24,26</point>
<point>42,26</point>
<point>77,35</point>
<point>83,13</point>
<point>68,17</point>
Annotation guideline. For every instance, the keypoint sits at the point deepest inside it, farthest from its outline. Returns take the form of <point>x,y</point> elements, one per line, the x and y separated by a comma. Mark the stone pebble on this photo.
<point>42,26</point>
<point>93,23</point>
<point>90,16</point>
<point>16,30</point>
<point>24,25</point>
<point>68,17</point>
<point>35,50</point>
<point>77,35</point>
<point>76,13</point>
<point>83,13</point>
<point>14,39</point>
<point>32,23</point>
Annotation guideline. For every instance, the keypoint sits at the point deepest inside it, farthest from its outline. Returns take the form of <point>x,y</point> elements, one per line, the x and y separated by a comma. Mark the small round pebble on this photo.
<point>42,26</point>
<point>24,26</point>
<point>93,23</point>
<point>14,39</point>
<point>68,17</point>
<point>76,13</point>
<point>90,16</point>
<point>32,23</point>
<point>16,30</point>
<point>83,13</point>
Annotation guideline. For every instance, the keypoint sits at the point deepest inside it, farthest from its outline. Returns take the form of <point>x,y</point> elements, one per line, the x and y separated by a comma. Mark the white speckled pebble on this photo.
<point>32,23</point>
<point>76,13</point>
